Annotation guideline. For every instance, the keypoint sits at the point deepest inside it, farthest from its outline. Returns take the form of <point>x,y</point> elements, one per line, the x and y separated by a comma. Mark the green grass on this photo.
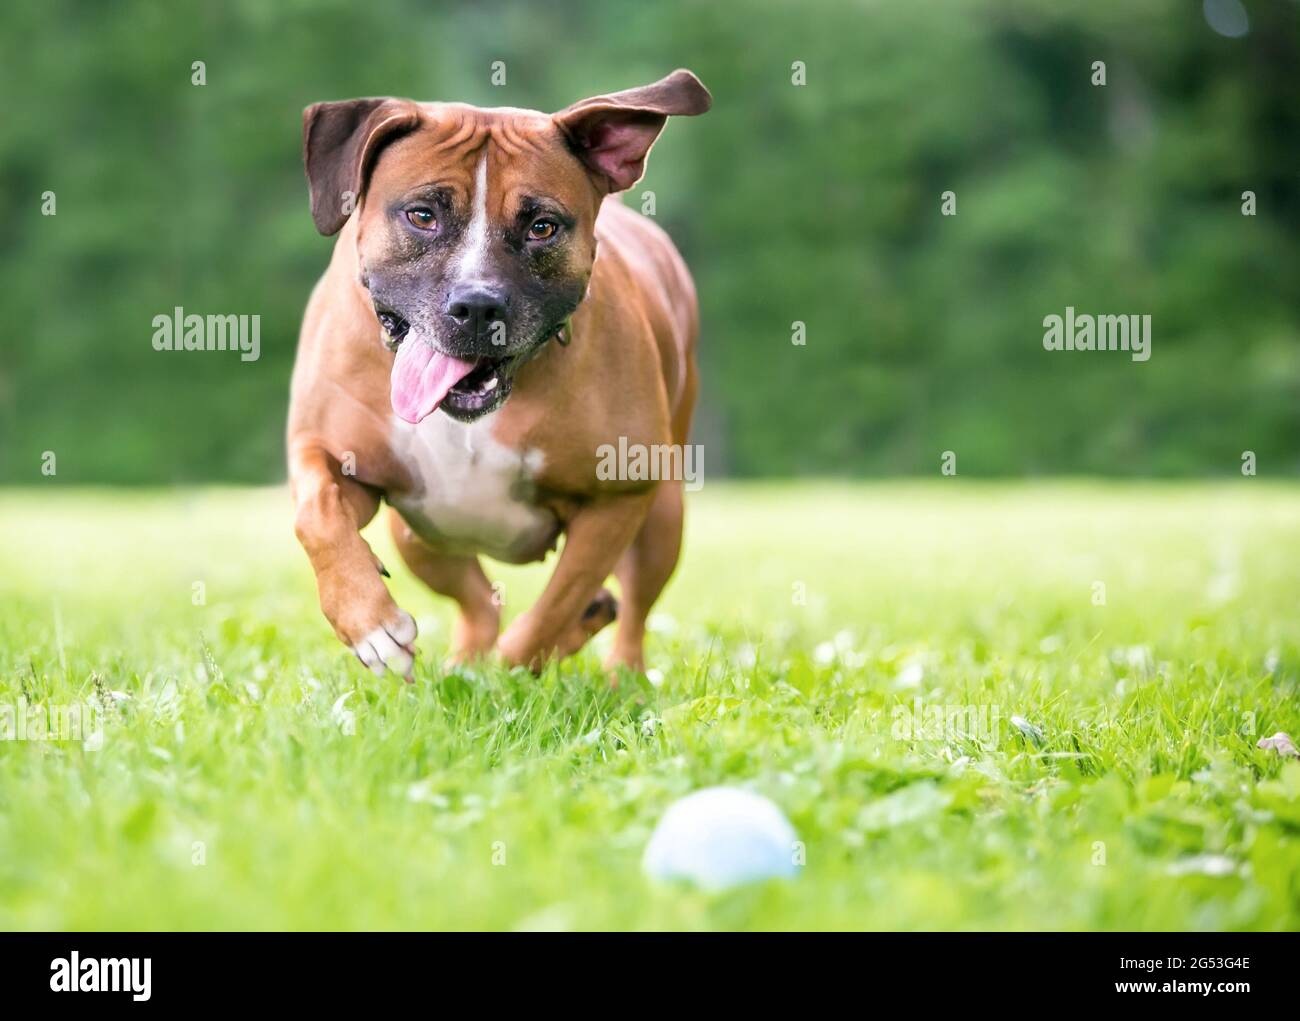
<point>801,619</point>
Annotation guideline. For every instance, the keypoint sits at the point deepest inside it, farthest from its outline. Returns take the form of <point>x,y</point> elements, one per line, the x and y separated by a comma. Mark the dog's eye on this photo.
<point>422,218</point>
<point>543,229</point>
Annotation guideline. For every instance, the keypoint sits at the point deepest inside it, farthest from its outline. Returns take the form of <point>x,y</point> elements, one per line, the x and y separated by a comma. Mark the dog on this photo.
<point>492,315</point>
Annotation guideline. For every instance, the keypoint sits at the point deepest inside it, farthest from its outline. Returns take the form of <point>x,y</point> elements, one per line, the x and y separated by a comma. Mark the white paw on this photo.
<point>391,647</point>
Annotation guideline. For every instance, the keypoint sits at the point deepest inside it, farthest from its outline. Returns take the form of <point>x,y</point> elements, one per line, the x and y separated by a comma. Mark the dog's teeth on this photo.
<point>491,384</point>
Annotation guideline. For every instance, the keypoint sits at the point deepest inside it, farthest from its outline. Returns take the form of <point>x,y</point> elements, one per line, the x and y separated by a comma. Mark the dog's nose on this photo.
<point>476,306</point>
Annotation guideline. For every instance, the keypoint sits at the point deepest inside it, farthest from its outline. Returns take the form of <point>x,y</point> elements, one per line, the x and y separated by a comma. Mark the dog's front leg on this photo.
<point>595,538</point>
<point>331,508</point>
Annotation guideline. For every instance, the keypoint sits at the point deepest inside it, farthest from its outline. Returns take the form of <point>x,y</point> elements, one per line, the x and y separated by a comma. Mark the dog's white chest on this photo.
<point>471,493</point>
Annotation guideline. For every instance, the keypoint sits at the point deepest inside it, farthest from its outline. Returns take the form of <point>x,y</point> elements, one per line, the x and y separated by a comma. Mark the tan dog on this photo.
<point>468,352</point>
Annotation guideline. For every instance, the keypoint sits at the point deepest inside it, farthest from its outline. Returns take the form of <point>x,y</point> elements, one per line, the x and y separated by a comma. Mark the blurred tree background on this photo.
<point>817,203</point>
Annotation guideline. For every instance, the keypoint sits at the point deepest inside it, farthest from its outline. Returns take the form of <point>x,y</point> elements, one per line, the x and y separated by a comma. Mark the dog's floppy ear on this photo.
<point>339,145</point>
<point>613,134</point>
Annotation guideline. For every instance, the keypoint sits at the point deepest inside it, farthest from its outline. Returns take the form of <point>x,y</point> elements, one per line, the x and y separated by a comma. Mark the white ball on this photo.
<point>720,837</point>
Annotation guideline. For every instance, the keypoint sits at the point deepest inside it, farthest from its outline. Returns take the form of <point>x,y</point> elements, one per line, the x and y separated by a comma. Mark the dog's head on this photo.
<point>476,228</point>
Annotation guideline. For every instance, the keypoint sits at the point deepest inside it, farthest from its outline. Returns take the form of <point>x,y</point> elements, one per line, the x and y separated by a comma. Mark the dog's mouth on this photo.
<point>484,388</point>
<point>425,379</point>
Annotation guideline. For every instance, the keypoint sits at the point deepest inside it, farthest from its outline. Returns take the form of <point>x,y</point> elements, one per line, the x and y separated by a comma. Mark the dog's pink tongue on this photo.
<point>421,378</point>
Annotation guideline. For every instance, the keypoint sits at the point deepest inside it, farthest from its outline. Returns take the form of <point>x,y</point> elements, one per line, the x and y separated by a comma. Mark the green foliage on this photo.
<point>253,775</point>
<point>818,204</point>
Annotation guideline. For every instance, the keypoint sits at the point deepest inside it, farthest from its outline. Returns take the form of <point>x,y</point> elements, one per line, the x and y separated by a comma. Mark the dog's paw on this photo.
<point>522,645</point>
<point>600,612</point>
<point>473,637</point>
<point>390,646</point>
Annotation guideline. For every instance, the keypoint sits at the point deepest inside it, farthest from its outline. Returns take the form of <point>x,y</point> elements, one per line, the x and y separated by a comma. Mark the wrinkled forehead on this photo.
<point>512,154</point>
